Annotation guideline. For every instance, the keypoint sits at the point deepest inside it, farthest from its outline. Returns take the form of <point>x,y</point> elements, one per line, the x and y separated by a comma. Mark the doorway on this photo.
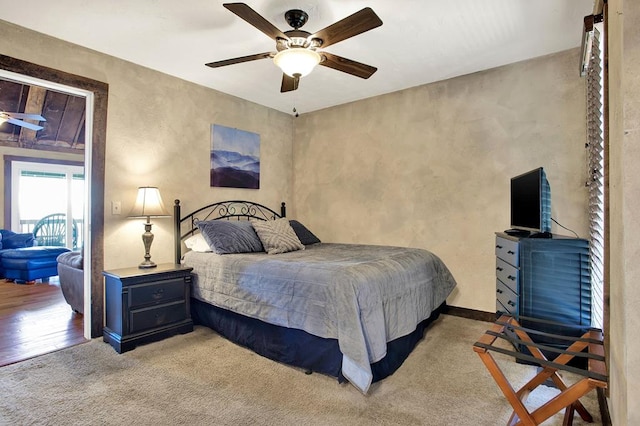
<point>96,93</point>
<point>13,201</point>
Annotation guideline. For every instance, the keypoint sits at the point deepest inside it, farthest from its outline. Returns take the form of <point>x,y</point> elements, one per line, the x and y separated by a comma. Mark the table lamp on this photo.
<point>148,204</point>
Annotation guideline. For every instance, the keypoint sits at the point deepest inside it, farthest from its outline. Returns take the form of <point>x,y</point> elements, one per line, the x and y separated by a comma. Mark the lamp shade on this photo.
<point>148,203</point>
<point>297,61</point>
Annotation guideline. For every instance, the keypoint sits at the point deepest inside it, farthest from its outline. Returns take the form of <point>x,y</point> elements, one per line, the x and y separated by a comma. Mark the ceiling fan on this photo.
<point>17,117</point>
<point>297,53</point>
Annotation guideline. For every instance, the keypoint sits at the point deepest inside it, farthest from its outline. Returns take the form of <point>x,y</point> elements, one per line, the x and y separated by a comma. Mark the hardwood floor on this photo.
<point>35,320</point>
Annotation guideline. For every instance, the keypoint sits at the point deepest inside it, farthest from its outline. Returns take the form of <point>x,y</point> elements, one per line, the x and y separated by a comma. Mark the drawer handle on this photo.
<point>510,303</point>
<point>499,268</point>
<point>511,277</point>
<point>499,291</point>
<point>158,294</point>
<point>511,252</point>
<point>498,246</point>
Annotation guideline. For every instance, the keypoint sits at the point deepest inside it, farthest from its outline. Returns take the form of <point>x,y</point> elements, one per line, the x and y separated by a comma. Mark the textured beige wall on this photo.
<point>158,133</point>
<point>624,63</point>
<point>430,166</point>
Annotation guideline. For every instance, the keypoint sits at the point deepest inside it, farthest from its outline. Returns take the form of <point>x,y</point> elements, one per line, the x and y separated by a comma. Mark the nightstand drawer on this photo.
<point>150,318</point>
<point>508,274</point>
<point>156,293</point>
<point>507,250</point>
<point>506,299</point>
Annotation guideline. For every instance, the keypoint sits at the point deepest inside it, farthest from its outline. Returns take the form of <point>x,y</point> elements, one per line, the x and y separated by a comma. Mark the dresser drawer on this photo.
<point>156,293</point>
<point>157,316</point>
<point>508,274</point>
<point>506,300</point>
<point>507,250</point>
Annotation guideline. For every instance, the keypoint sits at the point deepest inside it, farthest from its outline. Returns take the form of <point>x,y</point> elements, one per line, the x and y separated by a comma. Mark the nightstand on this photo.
<point>146,305</point>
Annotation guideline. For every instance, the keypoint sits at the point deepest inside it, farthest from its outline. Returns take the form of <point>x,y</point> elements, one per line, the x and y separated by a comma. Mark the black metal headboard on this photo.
<point>234,209</point>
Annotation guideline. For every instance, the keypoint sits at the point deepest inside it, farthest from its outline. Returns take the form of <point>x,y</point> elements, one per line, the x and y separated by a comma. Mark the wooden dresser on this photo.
<point>544,278</point>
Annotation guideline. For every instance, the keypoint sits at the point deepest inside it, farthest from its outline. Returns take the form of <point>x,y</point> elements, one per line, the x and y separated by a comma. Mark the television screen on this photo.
<point>531,202</point>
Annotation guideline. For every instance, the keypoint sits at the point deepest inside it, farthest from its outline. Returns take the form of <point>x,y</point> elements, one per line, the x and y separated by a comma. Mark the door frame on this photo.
<point>95,163</point>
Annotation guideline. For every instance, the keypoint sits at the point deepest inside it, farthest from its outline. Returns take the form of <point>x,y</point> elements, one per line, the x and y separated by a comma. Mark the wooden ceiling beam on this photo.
<point>34,105</point>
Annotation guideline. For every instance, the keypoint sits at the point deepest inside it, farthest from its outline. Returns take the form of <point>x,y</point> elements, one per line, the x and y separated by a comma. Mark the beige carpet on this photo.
<point>202,379</point>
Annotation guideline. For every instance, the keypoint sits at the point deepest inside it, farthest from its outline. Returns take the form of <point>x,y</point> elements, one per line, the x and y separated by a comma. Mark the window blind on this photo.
<point>595,175</point>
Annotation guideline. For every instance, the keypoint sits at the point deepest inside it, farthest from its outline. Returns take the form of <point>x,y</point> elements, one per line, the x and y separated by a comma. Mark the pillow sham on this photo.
<point>197,243</point>
<point>305,236</point>
<point>226,237</point>
<point>277,236</point>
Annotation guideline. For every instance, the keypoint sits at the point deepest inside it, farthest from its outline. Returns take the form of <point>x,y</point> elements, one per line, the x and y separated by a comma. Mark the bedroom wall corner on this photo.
<point>430,166</point>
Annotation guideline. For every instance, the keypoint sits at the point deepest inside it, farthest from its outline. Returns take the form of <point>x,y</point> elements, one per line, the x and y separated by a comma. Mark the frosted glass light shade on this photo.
<point>148,203</point>
<point>297,62</point>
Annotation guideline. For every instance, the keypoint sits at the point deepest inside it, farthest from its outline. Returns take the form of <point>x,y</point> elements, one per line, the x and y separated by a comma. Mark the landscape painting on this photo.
<point>235,158</point>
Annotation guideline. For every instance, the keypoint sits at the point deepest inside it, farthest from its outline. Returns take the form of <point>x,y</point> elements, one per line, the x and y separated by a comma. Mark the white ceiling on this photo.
<point>420,41</point>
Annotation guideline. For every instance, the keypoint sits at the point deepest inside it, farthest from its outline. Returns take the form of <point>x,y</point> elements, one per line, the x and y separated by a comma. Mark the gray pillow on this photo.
<point>277,236</point>
<point>226,237</point>
<point>305,236</point>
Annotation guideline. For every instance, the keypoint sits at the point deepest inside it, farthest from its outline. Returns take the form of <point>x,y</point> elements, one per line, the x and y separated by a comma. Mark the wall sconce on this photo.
<point>148,204</point>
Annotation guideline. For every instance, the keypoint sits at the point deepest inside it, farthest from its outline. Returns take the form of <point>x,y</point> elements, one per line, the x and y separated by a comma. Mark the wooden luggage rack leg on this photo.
<point>594,376</point>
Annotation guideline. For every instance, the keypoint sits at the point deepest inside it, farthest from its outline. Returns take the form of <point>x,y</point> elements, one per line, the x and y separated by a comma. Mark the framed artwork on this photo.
<point>235,158</point>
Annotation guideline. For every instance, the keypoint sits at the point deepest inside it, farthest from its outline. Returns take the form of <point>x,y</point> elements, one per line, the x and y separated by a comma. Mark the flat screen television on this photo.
<point>531,202</point>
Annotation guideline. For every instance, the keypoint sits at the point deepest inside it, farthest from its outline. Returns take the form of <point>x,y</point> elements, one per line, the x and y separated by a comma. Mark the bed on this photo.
<point>351,311</point>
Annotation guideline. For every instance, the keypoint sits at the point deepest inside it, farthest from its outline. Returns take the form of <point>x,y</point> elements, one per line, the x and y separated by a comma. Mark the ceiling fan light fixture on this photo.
<point>297,62</point>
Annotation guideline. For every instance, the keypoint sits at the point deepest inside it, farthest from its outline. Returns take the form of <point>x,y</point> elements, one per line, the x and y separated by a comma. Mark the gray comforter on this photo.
<point>361,295</point>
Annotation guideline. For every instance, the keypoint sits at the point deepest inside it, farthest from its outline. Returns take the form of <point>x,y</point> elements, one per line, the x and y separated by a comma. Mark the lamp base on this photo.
<point>147,264</point>
<point>147,239</point>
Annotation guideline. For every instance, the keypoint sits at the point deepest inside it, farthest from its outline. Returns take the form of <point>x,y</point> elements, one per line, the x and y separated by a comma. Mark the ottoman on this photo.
<point>31,263</point>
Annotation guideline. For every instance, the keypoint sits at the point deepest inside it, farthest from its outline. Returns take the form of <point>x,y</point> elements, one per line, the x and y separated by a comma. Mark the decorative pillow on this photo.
<point>225,236</point>
<point>277,236</point>
<point>11,240</point>
<point>305,236</point>
<point>197,243</point>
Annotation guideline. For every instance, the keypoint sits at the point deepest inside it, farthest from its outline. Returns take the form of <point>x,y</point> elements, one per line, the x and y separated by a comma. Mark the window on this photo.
<point>42,189</point>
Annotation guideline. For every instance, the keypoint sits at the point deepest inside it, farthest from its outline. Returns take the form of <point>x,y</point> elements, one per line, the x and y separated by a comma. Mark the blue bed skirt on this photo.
<point>299,348</point>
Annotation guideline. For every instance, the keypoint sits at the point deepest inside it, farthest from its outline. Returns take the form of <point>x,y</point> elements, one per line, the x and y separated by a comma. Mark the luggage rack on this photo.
<point>589,346</point>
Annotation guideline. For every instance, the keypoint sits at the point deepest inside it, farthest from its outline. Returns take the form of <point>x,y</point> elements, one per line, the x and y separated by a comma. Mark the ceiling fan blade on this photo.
<point>22,116</point>
<point>358,23</point>
<point>239,60</point>
<point>289,83</point>
<point>254,18</point>
<point>347,65</point>
<point>24,124</point>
